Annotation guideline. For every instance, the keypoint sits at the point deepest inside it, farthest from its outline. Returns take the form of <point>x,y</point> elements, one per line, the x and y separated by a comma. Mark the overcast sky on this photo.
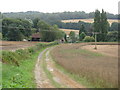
<point>58,5</point>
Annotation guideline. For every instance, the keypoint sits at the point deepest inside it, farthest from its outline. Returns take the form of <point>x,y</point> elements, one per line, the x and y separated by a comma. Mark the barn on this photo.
<point>36,37</point>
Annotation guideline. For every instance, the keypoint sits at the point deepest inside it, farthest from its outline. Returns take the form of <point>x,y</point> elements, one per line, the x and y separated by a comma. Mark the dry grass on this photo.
<point>100,69</point>
<point>87,20</point>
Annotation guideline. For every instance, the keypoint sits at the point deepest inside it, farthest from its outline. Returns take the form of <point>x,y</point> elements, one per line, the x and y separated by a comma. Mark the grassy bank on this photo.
<point>22,76</point>
<point>18,66</point>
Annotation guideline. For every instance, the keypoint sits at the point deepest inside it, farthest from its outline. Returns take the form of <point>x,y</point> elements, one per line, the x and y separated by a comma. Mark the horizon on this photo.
<point>57,12</point>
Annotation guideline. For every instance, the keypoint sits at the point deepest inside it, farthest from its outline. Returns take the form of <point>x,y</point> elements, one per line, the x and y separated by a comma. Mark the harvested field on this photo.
<point>110,50</point>
<point>87,20</point>
<point>100,67</point>
<point>14,45</point>
<point>67,31</point>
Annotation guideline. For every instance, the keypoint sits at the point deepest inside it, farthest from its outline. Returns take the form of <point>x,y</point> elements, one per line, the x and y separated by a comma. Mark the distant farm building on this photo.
<point>36,37</point>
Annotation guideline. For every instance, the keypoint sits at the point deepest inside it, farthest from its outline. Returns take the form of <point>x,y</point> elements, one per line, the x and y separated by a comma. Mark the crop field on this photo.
<point>100,67</point>
<point>87,20</point>
<point>14,45</point>
<point>67,31</point>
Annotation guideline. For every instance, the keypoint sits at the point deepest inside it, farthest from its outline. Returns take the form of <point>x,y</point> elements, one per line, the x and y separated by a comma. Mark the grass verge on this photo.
<point>22,76</point>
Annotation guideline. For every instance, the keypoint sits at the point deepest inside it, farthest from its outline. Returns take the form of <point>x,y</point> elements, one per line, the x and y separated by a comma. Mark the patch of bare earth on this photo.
<point>40,77</point>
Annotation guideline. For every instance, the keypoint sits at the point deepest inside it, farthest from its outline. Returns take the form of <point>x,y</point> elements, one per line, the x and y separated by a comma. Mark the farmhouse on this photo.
<point>36,37</point>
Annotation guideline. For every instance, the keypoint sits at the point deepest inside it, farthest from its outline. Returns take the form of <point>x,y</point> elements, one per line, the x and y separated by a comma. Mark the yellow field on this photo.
<point>67,31</point>
<point>87,20</point>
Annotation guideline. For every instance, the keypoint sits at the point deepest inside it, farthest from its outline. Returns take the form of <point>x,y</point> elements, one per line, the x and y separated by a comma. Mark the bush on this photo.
<point>82,36</point>
<point>10,57</point>
<point>89,39</point>
<point>112,36</point>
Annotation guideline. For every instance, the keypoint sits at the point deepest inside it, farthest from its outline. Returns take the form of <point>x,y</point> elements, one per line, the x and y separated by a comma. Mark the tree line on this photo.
<point>50,17</point>
<point>47,24</point>
<point>87,31</point>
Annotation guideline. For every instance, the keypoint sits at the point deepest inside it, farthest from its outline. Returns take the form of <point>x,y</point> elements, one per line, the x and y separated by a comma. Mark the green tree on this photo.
<point>97,26</point>
<point>82,36</point>
<point>89,39</point>
<point>82,29</point>
<point>101,25</point>
<point>35,23</point>
<point>0,36</point>
<point>112,36</point>
<point>104,25</point>
<point>72,36</point>
<point>50,33</point>
<point>114,26</point>
<point>65,37</point>
<point>15,29</point>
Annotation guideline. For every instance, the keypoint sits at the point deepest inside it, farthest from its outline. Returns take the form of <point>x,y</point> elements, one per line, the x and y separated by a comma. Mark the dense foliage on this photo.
<point>19,29</point>
<point>15,29</point>
<point>82,36</point>
<point>55,16</point>
<point>48,23</point>
<point>72,36</point>
<point>89,39</point>
<point>101,25</point>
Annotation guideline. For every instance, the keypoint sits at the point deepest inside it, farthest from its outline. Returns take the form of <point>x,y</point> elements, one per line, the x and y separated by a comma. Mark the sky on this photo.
<point>49,6</point>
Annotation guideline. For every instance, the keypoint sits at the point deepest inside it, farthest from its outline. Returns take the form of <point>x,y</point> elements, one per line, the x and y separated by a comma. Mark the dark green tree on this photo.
<point>15,29</point>
<point>72,36</point>
<point>65,37</point>
<point>104,25</point>
<point>114,26</point>
<point>82,29</point>
<point>35,24</point>
<point>82,36</point>
<point>101,25</point>
<point>97,21</point>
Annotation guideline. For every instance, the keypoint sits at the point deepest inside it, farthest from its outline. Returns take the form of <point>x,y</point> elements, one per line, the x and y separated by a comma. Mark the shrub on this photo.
<point>10,57</point>
<point>89,39</point>
<point>82,36</point>
<point>112,36</point>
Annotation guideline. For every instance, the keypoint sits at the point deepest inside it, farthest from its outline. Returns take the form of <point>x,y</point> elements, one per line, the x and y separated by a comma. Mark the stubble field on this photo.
<point>87,20</point>
<point>99,67</point>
